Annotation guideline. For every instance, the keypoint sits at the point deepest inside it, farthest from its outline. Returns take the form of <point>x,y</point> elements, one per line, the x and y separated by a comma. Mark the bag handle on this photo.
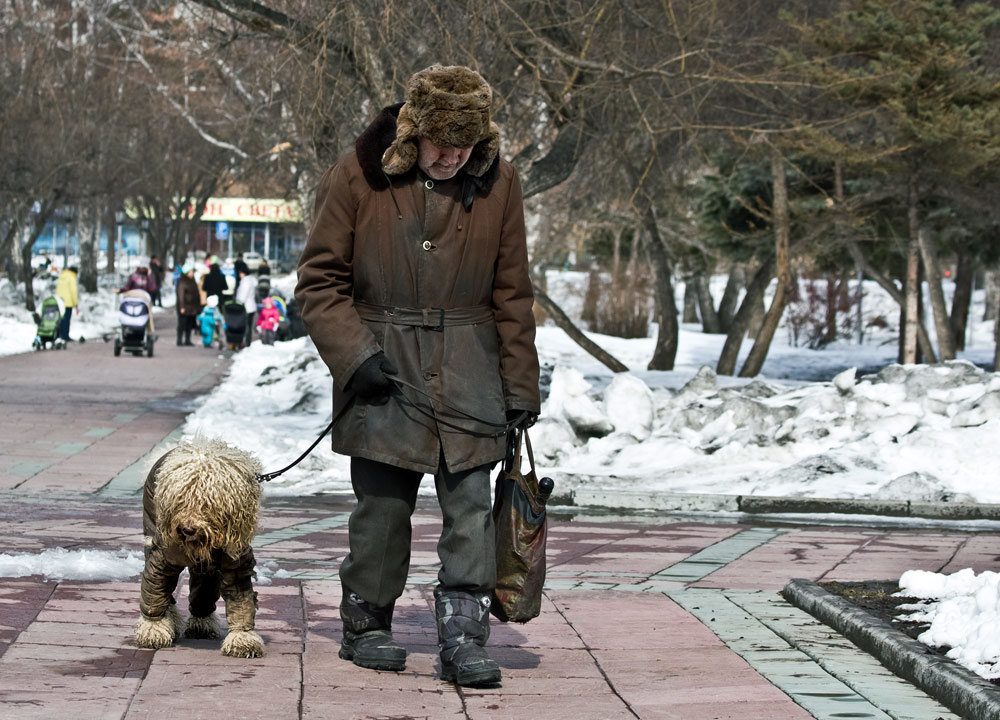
<point>513,460</point>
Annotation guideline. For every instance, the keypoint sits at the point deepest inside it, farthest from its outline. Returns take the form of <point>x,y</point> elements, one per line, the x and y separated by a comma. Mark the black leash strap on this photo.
<point>503,428</point>
<point>271,475</point>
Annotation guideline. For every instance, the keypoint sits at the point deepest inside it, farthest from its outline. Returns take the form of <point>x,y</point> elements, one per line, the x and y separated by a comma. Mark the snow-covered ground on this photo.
<point>963,610</point>
<point>915,432</point>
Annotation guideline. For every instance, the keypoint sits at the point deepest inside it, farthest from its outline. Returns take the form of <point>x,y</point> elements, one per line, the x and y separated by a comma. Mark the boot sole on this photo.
<point>395,664</point>
<point>483,678</point>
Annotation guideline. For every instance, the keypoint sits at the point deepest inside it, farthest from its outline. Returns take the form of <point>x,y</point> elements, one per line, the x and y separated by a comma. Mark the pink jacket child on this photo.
<point>267,321</point>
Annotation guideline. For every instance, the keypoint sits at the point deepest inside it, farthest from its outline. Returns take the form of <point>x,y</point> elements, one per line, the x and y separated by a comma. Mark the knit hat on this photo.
<point>447,106</point>
<point>188,267</point>
<point>212,301</point>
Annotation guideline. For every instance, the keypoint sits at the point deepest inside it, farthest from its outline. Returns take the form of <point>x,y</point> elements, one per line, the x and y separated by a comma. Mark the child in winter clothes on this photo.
<point>210,320</point>
<point>267,321</point>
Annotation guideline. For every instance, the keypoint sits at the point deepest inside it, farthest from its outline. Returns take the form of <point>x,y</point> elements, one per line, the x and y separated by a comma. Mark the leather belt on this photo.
<point>434,318</point>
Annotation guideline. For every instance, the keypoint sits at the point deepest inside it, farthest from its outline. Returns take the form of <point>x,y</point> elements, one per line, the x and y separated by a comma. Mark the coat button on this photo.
<point>429,184</point>
<point>427,245</point>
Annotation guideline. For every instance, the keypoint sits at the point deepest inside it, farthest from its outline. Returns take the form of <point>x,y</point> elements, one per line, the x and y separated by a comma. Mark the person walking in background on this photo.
<point>416,266</point>
<point>66,290</point>
<point>188,304</point>
<point>141,279</point>
<point>263,270</point>
<point>156,268</point>
<point>267,321</point>
<point>214,283</point>
<point>246,293</point>
<point>241,266</point>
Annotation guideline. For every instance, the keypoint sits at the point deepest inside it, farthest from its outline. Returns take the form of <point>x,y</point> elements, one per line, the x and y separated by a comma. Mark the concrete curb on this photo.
<point>762,504</point>
<point>959,689</point>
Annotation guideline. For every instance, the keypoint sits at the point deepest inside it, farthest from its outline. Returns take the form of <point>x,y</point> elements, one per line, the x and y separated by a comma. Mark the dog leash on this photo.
<point>507,427</point>
<point>271,475</point>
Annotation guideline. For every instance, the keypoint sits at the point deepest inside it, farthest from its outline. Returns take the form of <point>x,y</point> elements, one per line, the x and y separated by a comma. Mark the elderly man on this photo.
<point>414,287</point>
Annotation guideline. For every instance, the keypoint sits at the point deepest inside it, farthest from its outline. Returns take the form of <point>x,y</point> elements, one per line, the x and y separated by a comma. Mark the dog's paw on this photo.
<point>200,628</point>
<point>243,644</point>
<point>155,634</point>
<point>174,616</point>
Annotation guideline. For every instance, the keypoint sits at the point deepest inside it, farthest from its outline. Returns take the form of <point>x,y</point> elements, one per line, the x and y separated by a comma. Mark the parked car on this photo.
<point>252,259</point>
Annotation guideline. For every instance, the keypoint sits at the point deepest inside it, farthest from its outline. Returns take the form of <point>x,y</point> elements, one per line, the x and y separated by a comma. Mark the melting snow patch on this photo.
<point>61,564</point>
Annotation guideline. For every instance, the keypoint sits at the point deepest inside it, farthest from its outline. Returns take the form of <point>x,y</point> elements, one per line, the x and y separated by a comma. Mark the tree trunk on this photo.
<point>908,334</point>
<point>834,292</point>
<point>89,219</point>
<point>561,320</point>
<point>757,312</point>
<point>690,302</point>
<point>30,236</point>
<point>939,308</point>
<point>992,308</point>
<point>709,318</point>
<point>727,306</point>
<point>29,290</point>
<point>782,231</point>
<point>741,320</point>
<point>923,340</point>
<point>996,339</point>
<point>964,273</point>
<point>665,351</point>
<point>111,227</point>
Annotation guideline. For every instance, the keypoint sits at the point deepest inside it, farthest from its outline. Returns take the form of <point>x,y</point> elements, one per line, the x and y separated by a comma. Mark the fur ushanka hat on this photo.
<point>448,105</point>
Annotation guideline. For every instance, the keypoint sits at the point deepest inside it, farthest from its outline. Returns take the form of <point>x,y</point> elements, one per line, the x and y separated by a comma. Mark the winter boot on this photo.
<point>368,640</point>
<point>463,621</point>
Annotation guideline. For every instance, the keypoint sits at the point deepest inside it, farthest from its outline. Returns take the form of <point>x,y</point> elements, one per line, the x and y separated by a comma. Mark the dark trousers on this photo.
<point>64,323</point>
<point>185,324</point>
<point>380,531</point>
<point>248,335</point>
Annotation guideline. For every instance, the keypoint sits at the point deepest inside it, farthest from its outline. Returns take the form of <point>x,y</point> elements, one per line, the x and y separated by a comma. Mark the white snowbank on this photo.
<point>963,610</point>
<point>61,564</point>
<point>907,432</point>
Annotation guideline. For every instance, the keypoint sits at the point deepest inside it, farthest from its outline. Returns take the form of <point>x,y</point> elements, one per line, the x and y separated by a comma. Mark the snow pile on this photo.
<point>963,610</point>
<point>275,402</point>
<point>915,432</point>
<point>909,432</point>
<point>61,564</point>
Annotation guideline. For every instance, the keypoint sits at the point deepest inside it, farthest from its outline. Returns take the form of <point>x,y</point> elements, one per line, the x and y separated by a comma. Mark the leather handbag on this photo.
<point>521,526</point>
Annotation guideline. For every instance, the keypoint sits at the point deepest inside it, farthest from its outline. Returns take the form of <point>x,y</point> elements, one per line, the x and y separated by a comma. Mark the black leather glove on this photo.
<point>521,419</point>
<point>369,381</point>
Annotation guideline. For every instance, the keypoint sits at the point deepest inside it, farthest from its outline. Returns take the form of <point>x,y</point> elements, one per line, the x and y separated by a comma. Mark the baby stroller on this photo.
<point>234,319</point>
<point>296,328</point>
<point>49,315</point>
<point>283,331</point>
<point>135,329</point>
<point>263,288</point>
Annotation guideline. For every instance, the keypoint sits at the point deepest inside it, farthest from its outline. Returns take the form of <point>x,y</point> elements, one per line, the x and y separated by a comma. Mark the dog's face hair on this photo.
<point>207,498</point>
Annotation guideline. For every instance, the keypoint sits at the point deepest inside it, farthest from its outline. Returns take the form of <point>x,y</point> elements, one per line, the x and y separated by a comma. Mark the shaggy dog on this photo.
<point>200,508</point>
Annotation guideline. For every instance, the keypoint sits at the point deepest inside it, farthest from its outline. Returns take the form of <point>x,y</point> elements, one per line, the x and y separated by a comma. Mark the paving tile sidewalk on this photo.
<point>642,618</point>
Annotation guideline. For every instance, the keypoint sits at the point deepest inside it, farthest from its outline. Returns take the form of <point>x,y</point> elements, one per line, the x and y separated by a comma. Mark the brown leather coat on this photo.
<point>406,243</point>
